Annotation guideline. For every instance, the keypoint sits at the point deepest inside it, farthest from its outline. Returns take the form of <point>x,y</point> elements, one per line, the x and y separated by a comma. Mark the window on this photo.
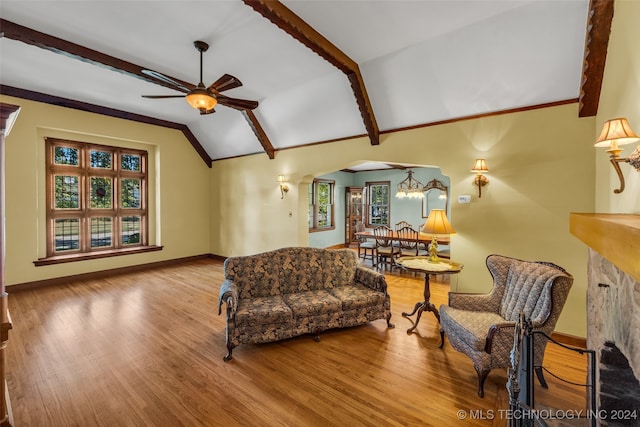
<point>378,203</point>
<point>321,215</point>
<point>96,198</point>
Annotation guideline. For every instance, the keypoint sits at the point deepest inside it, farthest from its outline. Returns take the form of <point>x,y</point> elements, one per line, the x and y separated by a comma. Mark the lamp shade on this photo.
<point>480,166</point>
<point>437,223</point>
<point>201,99</point>
<point>616,132</point>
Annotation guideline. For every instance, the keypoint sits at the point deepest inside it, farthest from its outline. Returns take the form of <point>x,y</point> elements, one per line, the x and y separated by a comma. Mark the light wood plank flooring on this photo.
<point>145,349</point>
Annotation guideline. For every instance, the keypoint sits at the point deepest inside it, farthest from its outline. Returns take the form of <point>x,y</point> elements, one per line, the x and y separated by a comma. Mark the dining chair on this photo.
<point>397,227</point>
<point>385,251</point>
<point>408,242</point>
<point>365,245</point>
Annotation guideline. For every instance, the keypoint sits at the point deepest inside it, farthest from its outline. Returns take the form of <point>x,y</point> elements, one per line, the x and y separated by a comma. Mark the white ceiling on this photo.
<point>422,61</point>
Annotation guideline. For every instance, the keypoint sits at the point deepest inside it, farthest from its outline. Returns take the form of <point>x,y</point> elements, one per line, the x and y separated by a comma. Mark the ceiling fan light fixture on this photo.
<point>201,99</point>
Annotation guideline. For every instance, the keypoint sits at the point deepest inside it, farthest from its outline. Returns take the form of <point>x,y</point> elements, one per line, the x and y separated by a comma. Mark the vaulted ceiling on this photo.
<point>321,70</point>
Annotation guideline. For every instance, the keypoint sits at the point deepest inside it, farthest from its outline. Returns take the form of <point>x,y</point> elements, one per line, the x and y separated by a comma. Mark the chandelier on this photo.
<point>410,187</point>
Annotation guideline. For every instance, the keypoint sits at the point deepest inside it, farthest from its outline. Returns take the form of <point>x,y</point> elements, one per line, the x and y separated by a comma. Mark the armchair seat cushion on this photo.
<point>263,310</point>
<point>468,326</point>
<point>305,304</point>
<point>358,296</point>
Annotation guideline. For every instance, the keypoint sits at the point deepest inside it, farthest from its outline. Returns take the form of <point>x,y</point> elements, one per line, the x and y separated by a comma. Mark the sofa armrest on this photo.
<point>371,279</point>
<point>229,295</point>
<point>474,302</point>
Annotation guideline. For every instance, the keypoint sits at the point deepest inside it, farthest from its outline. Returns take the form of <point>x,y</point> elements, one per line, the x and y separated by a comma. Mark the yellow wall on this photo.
<point>178,183</point>
<point>541,168</point>
<point>620,97</point>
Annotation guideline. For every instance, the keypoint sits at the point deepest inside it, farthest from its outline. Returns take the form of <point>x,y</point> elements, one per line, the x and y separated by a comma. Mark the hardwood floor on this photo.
<point>145,349</point>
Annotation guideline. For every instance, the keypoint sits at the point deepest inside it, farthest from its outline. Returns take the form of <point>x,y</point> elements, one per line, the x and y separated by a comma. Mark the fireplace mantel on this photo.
<point>614,236</point>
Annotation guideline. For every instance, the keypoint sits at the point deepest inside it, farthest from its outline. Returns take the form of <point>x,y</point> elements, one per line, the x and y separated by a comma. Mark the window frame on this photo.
<point>314,207</point>
<point>85,212</point>
<point>368,186</point>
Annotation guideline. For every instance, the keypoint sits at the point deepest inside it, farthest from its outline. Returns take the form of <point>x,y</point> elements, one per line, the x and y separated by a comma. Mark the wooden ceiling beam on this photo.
<point>259,132</point>
<point>595,55</point>
<point>53,44</point>
<point>297,28</point>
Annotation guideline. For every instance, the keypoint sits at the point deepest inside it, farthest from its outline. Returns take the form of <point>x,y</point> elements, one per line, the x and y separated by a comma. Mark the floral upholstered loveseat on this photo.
<point>299,290</point>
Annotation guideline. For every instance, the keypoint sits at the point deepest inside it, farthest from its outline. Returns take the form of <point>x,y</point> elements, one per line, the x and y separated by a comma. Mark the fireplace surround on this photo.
<point>613,311</point>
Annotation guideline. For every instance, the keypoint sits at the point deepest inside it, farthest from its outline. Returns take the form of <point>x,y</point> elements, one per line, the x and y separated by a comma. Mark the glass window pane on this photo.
<point>67,236</point>
<point>130,162</point>
<point>100,159</point>
<point>65,156</point>
<point>101,193</point>
<point>131,193</point>
<point>66,192</point>
<point>130,230</point>
<point>101,230</point>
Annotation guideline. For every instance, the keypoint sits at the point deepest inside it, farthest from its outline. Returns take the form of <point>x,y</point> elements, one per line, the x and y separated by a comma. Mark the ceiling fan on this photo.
<point>201,97</point>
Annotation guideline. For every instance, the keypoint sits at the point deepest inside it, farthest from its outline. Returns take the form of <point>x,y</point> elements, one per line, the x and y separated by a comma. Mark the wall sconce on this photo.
<point>480,180</point>
<point>616,132</point>
<point>284,188</point>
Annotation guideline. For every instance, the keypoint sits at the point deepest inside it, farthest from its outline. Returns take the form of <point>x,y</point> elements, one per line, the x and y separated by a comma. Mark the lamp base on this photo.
<point>433,251</point>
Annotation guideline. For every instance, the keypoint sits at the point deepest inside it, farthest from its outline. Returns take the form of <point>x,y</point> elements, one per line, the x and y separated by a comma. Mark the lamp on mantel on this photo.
<point>437,225</point>
<point>480,180</point>
<point>616,132</point>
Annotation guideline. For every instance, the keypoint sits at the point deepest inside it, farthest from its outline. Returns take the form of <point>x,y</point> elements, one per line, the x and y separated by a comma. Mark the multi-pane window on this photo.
<point>96,198</point>
<point>377,203</point>
<point>321,207</point>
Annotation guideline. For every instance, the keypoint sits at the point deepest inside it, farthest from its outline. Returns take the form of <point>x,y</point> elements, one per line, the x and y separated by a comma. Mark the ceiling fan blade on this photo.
<point>238,104</point>
<point>157,75</point>
<point>162,96</point>
<point>225,82</point>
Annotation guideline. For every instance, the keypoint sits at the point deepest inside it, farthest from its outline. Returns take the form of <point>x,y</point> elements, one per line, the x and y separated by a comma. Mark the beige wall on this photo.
<point>620,97</point>
<point>541,168</point>
<point>178,180</point>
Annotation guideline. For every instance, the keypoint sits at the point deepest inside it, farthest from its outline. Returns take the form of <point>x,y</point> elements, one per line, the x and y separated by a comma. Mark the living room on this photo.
<point>543,166</point>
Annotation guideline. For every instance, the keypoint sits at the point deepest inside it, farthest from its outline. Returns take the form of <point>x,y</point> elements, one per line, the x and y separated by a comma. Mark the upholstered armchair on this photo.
<point>482,325</point>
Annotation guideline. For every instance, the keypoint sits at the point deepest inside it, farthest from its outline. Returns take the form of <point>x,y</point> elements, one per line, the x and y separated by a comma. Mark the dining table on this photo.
<point>392,235</point>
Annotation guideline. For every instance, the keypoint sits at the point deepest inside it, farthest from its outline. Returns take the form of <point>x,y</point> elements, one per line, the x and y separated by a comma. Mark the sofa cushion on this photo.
<point>262,310</point>
<point>309,303</point>
<point>357,296</point>
<point>255,275</point>
<point>468,326</point>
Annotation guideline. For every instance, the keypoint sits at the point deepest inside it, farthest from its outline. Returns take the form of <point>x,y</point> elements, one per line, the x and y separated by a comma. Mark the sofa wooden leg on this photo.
<point>539,374</point>
<point>482,375</point>
<point>229,355</point>
<point>441,338</point>
<point>389,324</point>
<point>316,335</point>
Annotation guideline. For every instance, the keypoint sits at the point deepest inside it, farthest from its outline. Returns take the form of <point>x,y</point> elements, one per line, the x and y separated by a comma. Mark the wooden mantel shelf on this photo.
<point>614,236</point>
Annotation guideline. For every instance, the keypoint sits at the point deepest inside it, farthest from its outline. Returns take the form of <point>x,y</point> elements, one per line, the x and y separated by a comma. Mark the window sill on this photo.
<point>60,259</point>
<point>316,230</point>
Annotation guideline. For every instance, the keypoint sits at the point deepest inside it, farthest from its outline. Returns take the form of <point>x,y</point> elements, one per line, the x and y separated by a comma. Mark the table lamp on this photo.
<point>437,225</point>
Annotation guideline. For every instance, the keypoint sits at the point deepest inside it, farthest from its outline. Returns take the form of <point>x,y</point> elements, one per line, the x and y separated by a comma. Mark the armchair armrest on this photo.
<point>500,336</point>
<point>371,279</point>
<point>475,302</point>
<point>229,295</point>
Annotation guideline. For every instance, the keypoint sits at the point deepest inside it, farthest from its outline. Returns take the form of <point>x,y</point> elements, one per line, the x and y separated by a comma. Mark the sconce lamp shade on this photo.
<point>616,132</point>
<point>438,224</point>
<point>201,99</point>
<point>284,188</point>
<point>480,166</point>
